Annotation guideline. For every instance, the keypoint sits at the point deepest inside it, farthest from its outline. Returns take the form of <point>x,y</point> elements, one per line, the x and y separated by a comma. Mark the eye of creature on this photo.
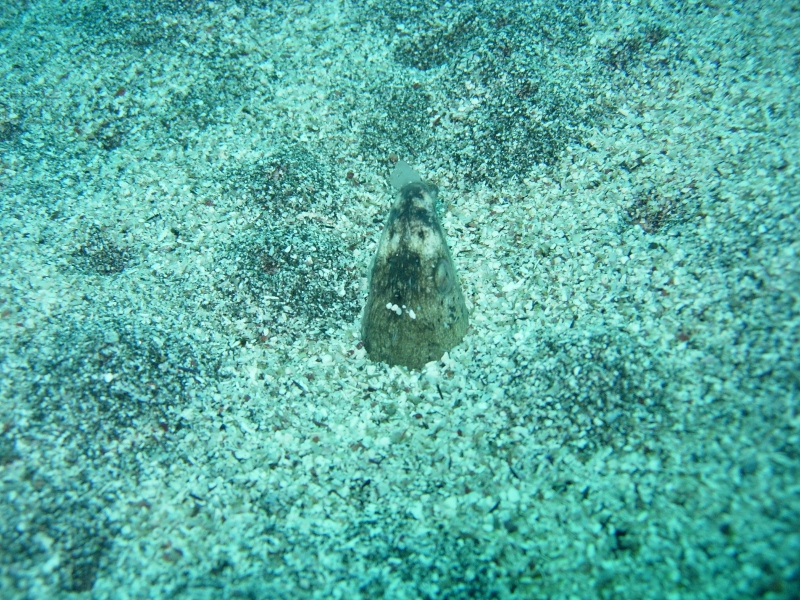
<point>443,276</point>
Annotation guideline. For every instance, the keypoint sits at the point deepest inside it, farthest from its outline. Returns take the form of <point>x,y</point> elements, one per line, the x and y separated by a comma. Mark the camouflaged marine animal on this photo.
<point>415,311</point>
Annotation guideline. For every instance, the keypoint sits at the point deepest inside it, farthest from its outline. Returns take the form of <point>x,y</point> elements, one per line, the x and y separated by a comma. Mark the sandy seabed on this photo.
<point>190,196</point>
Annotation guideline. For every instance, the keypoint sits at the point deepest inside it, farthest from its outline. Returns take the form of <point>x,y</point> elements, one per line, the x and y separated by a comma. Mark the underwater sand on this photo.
<point>190,197</point>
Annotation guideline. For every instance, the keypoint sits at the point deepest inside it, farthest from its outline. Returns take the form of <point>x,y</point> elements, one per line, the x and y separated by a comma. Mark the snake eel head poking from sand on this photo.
<point>415,311</point>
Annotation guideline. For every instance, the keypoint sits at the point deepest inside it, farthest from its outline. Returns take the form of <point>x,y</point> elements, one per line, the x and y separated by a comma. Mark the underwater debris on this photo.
<point>415,311</point>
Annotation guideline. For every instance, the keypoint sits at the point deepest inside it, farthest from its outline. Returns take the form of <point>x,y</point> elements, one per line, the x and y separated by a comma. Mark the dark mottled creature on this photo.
<point>415,311</point>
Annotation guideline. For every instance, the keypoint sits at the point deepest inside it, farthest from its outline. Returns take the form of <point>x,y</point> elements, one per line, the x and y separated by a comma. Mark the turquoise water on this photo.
<point>191,195</point>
